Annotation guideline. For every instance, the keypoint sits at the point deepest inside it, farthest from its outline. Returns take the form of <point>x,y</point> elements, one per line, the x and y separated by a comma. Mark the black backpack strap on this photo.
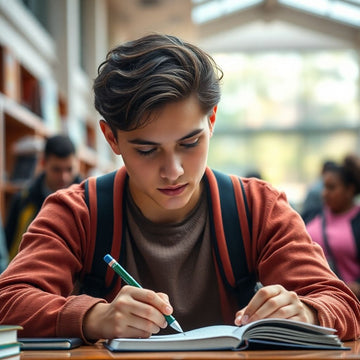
<point>244,281</point>
<point>94,283</point>
<point>235,233</point>
<point>355,225</point>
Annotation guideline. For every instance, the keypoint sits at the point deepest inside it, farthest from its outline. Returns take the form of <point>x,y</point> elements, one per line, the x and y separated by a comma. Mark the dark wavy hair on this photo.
<point>60,146</point>
<point>141,76</point>
<point>348,171</point>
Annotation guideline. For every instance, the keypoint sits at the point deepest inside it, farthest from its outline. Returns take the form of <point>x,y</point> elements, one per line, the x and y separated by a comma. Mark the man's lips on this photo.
<point>173,190</point>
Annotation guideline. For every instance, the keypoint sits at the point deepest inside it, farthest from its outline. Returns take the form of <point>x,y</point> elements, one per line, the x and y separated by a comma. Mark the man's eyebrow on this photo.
<point>138,141</point>
<point>193,133</point>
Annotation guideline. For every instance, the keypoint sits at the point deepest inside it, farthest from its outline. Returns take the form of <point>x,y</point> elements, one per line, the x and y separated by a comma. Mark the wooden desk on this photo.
<point>98,352</point>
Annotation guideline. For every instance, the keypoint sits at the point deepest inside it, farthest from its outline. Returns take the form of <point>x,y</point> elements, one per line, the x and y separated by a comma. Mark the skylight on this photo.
<point>204,11</point>
<point>346,11</point>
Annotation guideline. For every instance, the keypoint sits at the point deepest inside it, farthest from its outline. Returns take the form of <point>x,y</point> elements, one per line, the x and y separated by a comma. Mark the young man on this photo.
<point>60,169</point>
<point>158,98</point>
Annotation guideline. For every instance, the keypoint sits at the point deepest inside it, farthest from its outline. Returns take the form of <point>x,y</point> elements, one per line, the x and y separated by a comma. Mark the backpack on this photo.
<point>228,211</point>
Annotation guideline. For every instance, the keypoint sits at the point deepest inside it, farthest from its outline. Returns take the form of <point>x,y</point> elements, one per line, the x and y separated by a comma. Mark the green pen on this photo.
<point>131,281</point>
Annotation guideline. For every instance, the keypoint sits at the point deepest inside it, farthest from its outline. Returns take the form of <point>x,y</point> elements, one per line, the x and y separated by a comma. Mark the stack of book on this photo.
<point>9,345</point>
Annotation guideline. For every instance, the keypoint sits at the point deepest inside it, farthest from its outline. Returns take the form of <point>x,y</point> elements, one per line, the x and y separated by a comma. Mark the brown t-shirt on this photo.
<point>176,259</point>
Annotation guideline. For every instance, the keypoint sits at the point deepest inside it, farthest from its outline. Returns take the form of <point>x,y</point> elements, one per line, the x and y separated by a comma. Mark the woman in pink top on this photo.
<point>337,228</point>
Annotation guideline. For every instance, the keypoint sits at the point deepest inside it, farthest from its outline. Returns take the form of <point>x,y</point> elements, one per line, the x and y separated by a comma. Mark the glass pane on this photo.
<point>210,10</point>
<point>286,90</point>
<point>318,6</point>
<point>340,10</point>
<point>40,9</point>
<point>283,114</point>
<point>345,12</point>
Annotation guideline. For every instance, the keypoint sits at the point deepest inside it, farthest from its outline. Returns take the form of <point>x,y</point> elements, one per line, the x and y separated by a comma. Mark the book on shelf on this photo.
<point>30,91</point>
<point>261,334</point>
<point>49,343</point>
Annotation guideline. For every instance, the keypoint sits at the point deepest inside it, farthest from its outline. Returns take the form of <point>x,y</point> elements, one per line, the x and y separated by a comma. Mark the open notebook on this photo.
<point>262,334</point>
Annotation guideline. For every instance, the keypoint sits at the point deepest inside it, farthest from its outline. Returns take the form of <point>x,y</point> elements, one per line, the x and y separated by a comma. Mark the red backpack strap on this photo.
<point>107,230</point>
<point>231,227</point>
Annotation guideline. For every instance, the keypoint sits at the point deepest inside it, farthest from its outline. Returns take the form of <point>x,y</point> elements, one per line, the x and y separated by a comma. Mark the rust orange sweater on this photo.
<point>38,289</point>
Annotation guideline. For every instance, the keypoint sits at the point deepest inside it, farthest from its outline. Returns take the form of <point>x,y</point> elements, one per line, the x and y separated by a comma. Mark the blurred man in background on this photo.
<point>60,169</point>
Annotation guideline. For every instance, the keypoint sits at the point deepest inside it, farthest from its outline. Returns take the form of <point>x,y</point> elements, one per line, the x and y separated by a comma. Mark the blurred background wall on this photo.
<point>290,92</point>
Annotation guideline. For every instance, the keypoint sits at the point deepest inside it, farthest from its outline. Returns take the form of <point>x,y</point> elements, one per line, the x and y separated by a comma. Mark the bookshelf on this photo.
<point>44,87</point>
<point>21,115</point>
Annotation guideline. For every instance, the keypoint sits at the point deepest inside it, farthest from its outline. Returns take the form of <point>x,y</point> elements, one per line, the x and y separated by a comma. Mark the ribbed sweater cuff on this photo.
<point>70,319</point>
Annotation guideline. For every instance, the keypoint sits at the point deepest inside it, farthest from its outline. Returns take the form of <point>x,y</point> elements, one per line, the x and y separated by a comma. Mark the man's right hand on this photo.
<point>134,313</point>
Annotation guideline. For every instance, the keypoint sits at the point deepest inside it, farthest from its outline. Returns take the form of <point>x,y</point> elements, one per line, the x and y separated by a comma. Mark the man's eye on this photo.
<point>145,152</point>
<point>191,143</point>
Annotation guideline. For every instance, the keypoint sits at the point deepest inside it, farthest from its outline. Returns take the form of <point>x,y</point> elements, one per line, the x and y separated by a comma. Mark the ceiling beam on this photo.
<point>270,11</point>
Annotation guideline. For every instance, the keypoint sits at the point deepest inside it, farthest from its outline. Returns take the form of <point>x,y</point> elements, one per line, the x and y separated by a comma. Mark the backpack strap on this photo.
<point>228,210</point>
<point>231,227</point>
<point>355,225</point>
<point>99,194</point>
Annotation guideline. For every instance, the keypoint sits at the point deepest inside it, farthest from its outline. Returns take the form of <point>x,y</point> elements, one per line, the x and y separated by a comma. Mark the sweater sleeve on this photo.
<point>37,290</point>
<point>283,253</point>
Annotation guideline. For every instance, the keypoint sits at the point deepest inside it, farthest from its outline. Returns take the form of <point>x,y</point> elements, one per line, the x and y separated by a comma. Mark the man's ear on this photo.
<point>110,136</point>
<point>212,119</point>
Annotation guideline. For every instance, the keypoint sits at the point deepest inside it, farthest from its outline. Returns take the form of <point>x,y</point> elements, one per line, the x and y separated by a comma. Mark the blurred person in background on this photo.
<point>313,202</point>
<point>337,226</point>
<point>255,174</point>
<point>59,170</point>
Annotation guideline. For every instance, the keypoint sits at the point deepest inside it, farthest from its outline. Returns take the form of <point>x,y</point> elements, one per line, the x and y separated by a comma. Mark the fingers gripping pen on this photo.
<point>131,281</point>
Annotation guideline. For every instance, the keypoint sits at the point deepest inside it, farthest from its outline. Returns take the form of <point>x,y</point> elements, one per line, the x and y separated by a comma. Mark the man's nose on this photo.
<point>66,177</point>
<point>171,167</point>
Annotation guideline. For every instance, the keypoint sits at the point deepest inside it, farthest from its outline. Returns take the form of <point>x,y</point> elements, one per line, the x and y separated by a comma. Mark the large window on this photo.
<point>40,9</point>
<point>284,114</point>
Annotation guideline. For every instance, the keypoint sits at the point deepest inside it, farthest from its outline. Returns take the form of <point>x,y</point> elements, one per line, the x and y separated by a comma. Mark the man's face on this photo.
<point>60,172</point>
<point>166,160</point>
